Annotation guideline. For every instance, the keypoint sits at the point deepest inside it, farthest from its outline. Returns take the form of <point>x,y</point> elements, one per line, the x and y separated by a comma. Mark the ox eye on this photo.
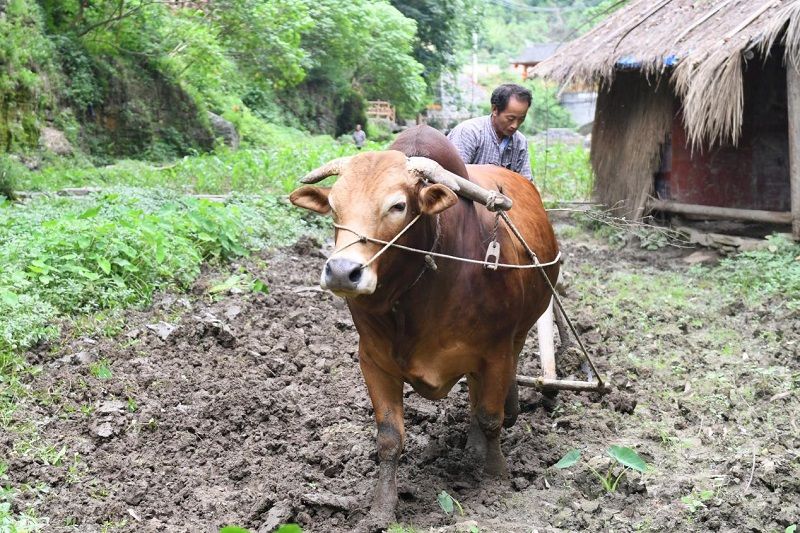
<point>399,207</point>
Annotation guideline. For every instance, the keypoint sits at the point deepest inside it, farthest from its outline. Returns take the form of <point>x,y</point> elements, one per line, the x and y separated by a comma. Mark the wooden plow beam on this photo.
<point>549,381</point>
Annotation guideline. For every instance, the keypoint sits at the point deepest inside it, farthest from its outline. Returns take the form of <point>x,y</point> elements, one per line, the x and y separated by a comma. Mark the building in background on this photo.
<point>578,100</point>
<point>699,107</point>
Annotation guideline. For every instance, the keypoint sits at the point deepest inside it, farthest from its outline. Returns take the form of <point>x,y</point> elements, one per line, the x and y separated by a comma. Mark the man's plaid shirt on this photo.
<point>477,143</point>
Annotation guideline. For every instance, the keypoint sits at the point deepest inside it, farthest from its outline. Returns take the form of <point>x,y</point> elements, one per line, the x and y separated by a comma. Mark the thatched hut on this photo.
<point>698,109</point>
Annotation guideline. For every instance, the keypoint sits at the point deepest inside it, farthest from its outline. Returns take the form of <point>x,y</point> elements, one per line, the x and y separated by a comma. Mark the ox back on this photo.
<point>424,141</point>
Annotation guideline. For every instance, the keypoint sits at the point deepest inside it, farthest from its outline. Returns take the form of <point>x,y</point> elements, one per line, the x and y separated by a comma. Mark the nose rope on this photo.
<point>362,238</point>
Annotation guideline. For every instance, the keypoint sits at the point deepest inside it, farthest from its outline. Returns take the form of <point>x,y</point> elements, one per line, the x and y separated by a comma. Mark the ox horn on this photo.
<point>433,171</point>
<point>332,168</point>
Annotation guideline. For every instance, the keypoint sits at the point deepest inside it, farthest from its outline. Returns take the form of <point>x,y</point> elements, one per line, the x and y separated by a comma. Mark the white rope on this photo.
<point>388,244</point>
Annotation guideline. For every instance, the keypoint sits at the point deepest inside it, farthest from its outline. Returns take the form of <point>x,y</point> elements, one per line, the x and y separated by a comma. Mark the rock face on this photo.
<point>55,141</point>
<point>226,130</point>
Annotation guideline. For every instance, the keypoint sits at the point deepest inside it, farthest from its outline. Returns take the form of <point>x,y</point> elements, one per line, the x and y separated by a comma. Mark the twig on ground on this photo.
<point>752,471</point>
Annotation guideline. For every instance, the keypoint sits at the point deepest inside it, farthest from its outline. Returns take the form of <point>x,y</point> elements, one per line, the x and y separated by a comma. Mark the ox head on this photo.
<point>377,195</point>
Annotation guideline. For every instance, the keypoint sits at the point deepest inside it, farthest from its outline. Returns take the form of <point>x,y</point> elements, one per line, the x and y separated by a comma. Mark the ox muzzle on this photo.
<point>347,276</point>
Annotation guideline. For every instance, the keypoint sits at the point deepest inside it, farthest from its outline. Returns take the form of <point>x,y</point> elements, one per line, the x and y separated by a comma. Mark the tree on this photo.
<point>443,29</point>
<point>357,50</point>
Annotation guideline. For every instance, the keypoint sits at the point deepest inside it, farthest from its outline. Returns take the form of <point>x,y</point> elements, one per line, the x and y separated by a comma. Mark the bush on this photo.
<point>562,173</point>
<point>11,173</point>
<point>65,256</point>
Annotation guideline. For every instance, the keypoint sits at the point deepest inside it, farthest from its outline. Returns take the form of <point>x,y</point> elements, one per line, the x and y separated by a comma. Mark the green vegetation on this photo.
<point>115,249</point>
<point>255,170</point>
<point>545,111</point>
<point>696,499</point>
<point>540,21</point>
<point>622,456</point>
<point>771,272</point>
<point>562,173</point>
<point>10,173</point>
<point>448,503</point>
<point>136,79</point>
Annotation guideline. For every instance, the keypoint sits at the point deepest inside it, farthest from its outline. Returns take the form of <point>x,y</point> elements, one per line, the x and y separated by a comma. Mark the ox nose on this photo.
<point>342,274</point>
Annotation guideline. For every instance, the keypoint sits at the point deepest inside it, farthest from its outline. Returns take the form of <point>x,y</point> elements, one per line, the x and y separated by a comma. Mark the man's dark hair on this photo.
<point>503,94</point>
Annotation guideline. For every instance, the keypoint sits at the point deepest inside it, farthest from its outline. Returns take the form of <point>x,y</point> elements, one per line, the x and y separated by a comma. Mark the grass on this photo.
<point>770,273</point>
<point>249,170</point>
<point>113,250</point>
<point>562,173</point>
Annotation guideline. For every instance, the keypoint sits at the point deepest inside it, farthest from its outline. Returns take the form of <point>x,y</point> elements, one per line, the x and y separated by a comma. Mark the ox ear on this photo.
<point>436,198</point>
<point>312,198</point>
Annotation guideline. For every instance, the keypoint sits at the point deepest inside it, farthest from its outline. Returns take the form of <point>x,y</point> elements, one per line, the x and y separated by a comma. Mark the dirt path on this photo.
<point>250,410</point>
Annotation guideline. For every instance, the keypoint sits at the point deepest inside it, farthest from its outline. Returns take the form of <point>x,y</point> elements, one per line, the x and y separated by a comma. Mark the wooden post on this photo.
<point>793,96</point>
<point>547,352</point>
<point>711,211</point>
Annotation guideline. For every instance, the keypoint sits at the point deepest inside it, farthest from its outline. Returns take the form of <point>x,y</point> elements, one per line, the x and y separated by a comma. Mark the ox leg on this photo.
<point>476,440</point>
<point>386,393</point>
<point>511,408</point>
<point>488,412</point>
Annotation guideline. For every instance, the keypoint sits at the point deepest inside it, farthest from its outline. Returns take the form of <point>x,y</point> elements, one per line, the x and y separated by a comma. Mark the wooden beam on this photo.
<point>563,384</point>
<point>709,211</point>
<point>793,96</point>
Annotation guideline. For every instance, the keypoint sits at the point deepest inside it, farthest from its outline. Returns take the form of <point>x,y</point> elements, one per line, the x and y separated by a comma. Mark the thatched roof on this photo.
<point>699,45</point>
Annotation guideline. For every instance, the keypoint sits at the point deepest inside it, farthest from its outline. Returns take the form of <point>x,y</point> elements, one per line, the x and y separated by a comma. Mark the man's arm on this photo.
<point>524,163</point>
<point>465,141</point>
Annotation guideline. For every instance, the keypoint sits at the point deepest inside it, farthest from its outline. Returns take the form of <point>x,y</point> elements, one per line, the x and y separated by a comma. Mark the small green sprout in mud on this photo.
<point>400,528</point>
<point>791,529</point>
<point>111,525</point>
<point>448,503</point>
<point>624,456</point>
<point>697,499</point>
<point>74,474</point>
<point>101,369</point>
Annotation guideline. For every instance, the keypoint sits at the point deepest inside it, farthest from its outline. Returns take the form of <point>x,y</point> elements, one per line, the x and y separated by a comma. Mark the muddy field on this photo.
<point>249,409</point>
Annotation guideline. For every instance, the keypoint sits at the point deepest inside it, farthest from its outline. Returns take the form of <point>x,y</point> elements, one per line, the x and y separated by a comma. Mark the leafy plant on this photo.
<point>448,503</point>
<point>622,456</point>
<point>697,499</point>
<point>10,173</point>
<point>101,369</point>
<point>562,172</point>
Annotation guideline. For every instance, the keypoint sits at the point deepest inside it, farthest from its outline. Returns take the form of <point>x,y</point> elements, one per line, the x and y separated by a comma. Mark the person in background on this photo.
<point>359,137</point>
<point>495,139</point>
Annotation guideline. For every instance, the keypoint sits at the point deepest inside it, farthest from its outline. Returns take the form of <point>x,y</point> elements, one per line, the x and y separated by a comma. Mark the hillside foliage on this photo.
<point>137,78</point>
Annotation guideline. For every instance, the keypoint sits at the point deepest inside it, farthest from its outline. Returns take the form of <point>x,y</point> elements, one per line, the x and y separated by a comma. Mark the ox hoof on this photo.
<point>496,466</point>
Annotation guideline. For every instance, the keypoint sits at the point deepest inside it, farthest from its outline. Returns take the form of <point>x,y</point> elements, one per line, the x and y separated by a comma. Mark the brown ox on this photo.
<point>430,327</point>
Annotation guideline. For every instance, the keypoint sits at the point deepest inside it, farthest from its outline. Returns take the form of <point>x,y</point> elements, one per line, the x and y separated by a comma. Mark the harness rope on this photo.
<point>393,244</point>
<point>535,259</point>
